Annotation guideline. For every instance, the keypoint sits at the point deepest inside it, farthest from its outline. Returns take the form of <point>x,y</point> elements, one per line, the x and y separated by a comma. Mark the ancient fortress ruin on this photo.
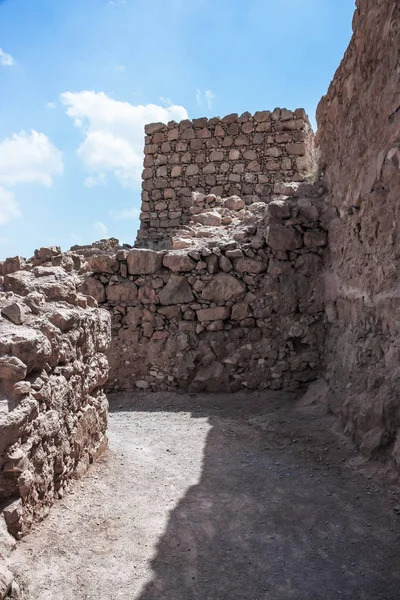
<point>266,259</point>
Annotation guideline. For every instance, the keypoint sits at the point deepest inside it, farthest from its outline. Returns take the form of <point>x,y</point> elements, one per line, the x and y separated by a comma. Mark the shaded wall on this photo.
<point>358,142</point>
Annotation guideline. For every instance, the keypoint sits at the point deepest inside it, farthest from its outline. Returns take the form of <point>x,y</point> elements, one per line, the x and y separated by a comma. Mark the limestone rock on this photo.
<point>53,409</point>
<point>125,292</point>
<point>12,367</point>
<point>54,282</point>
<point>240,311</point>
<point>234,203</point>
<point>94,288</point>
<point>279,209</point>
<point>315,239</point>
<point>29,345</point>
<point>141,262</point>
<point>7,542</point>
<point>249,265</point>
<point>11,265</point>
<point>218,313</point>
<point>47,253</point>
<point>13,516</point>
<point>281,237</point>
<point>6,579</point>
<point>103,263</point>
<point>14,312</point>
<point>178,262</point>
<point>176,291</point>
<point>35,301</point>
<point>211,219</point>
<point>223,287</point>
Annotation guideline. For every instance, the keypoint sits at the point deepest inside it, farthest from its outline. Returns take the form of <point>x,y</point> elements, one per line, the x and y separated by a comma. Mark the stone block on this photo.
<point>154,127</point>
<point>242,140</point>
<point>141,262</point>
<point>249,265</point>
<point>279,209</point>
<point>12,368</point>
<point>234,203</point>
<point>176,171</point>
<point>234,154</point>
<point>192,170</point>
<point>94,288</point>
<point>240,311</point>
<point>219,313</point>
<point>315,238</point>
<point>178,262</point>
<point>201,122</point>
<point>223,287</point>
<point>103,263</point>
<point>298,149</point>
<point>162,171</point>
<point>217,155</point>
<point>122,293</point>
<point>281,237</point>
<point>209,169</point>
<point>262,116</point>
<point>15,312</point>
<point>176,291</point>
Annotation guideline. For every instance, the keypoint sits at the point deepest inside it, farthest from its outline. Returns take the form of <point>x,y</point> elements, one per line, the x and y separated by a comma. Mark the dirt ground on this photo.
<point>242,497</point>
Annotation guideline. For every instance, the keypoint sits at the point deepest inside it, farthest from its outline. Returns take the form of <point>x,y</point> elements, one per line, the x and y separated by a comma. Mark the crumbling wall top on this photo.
<point>247,155</point>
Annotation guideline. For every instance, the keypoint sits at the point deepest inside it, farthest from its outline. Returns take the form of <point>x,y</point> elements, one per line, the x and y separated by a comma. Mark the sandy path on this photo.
<point>242,498</point>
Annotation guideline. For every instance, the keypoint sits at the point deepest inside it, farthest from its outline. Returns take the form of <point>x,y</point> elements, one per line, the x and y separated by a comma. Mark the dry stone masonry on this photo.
<point>239,308</point>
<point>244,276</point>
<point>53,368</point>
<point>359,144</point>
<point>247,155</point>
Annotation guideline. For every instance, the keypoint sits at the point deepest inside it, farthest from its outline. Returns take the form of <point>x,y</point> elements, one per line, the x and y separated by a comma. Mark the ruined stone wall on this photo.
<point>359,145</point>
<point>224,315</point>
<point>246,156</point>
<point>53,367</point>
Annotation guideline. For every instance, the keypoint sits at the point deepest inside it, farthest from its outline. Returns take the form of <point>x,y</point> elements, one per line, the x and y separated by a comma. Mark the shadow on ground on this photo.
<point>279,513</point>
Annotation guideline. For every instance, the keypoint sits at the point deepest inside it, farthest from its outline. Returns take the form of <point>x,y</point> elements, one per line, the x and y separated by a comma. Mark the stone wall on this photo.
<point>243,311</point>
<point>359,145</point>
<point>247,155</point>
<point>53,367</point>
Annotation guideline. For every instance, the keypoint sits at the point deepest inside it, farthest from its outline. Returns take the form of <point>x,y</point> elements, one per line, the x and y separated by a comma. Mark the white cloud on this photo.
<point>94,180</point>
<point>9,208</point>
<point>166,101</point>
<point>209,96</point>
<point>199,97</point>
<point>26,158</point>
<point>119,68</point>
<point>114,132</point>
<point>50,105</point>
<point>6,60</point>
<point>205,98</point>
<point>100,229</point>
<point>125,213</point>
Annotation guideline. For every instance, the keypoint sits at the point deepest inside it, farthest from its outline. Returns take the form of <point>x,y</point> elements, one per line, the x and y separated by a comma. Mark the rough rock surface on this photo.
<point>247,155</point>
<point>241,305</point>
<point>53,411</point>
<point>358,142</point>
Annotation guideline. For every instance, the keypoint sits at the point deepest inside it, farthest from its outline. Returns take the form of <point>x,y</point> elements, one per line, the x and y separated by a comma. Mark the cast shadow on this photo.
<point>265,522</point>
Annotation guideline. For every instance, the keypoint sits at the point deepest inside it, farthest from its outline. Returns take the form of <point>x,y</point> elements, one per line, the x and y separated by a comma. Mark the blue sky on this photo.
<point>79,78</point>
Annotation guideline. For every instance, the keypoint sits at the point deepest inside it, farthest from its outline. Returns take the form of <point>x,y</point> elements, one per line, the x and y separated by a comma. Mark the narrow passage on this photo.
<point>242,497</point>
